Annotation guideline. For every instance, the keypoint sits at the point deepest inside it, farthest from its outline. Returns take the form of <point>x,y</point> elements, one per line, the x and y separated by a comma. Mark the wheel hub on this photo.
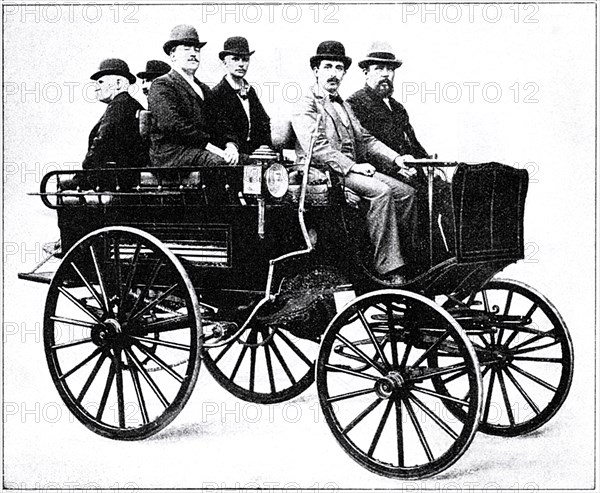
<point>387,385</point>
<point>106,333</point>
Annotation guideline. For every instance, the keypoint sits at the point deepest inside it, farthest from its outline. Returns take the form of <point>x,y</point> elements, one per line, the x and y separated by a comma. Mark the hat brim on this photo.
<point>150,75</point>
<point>169,45</point>
<point>224,53</point>
<point>101,73</point>
<point>346,60</point>
<point>386,61</point>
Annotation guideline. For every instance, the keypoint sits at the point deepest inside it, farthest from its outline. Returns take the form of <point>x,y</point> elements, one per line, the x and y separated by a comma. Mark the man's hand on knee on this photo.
<point>363,169</point>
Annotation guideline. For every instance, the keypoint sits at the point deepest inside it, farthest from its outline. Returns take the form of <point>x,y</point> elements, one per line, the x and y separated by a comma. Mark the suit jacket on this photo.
<point>391,127</point>
<point>327,149</point>
<point>116,137</point>
<point>232,118</point>
<point>183,122</point>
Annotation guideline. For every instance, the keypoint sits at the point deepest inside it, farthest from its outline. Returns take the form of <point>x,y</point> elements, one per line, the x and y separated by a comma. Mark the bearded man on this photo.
<point>376,109</point>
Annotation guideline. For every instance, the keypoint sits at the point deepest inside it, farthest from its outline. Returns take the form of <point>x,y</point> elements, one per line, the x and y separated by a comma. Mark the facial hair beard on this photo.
<point>385,88</point>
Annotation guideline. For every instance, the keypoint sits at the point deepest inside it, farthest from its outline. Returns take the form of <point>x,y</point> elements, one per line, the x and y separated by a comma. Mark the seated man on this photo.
<point>154,69</point>
<point>115,140</point>
<point>347,148</point>
<point>183,110</point>
<point>237,101</point>
<point>377,110</point>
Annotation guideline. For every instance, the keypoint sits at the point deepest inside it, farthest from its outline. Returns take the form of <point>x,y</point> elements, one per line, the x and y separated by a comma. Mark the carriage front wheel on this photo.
<point>122,333</point>
<point>374,380</point>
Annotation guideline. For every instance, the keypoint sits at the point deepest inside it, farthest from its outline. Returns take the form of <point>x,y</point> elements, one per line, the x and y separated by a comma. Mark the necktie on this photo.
<point>339,108</point>
<point>336,98</point>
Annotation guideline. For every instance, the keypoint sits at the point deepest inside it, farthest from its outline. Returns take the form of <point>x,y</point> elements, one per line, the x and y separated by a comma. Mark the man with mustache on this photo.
<point>378,111</point>
<point>239,106</point>
<point>344,146</point>
<point>183,109</point>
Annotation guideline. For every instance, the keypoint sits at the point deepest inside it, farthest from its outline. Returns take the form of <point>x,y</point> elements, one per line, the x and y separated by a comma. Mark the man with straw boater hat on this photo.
<point>239,106</point>
<point>154,69</point>
<point>349,150</point>
<point>115,140</point>
<point>183,111</point>
<point>377,110</point>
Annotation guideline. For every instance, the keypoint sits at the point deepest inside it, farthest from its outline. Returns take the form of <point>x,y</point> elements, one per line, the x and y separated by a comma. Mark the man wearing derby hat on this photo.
<point>377,110</point>
<point>115,138</point>
<point>239,108</point>
<point>154,69</point>
<point>182,109</point>
<point>344,146</point>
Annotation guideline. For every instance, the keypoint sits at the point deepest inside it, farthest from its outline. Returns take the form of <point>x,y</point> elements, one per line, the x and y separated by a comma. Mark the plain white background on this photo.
<point>513,83</point>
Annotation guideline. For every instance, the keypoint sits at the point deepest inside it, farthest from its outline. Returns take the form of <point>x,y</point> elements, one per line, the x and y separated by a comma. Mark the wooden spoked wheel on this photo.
<point>122,333</point>
<point>526,357</point>
<point>266,364</point>
<point>374,380</point>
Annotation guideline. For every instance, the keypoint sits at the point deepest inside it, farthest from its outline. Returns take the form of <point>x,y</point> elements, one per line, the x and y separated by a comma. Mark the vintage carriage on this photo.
<point>261,273</point>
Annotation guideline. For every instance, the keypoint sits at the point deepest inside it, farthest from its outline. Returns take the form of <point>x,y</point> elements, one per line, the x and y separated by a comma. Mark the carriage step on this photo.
<point>41,277</point>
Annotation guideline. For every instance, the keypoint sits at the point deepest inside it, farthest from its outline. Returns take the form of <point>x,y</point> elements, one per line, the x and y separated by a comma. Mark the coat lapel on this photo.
<point>184,84</point>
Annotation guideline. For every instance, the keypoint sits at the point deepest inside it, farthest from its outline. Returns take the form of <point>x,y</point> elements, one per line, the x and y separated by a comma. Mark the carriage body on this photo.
<point>227,267</point>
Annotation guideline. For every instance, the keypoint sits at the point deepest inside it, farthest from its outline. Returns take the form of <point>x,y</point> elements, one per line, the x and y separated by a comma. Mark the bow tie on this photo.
<point>336,99</point>
<point>242,92</point>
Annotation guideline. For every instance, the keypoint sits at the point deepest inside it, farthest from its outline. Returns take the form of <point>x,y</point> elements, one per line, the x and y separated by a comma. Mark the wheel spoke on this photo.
<point>441,396</point>
<point>138,388</point>
<point>418,429</point>
<point>117,262</point>
<point>433,416</point>
<point>436,372</point>
<point>109,380</point>
<point>421,358</point>
<point>509,297</point>
<point>342,369</point>
<point>282,361</point>
<point>153,303</point>
<point>399,432</point>
<point>238,363</point>
<point>72,321</point>
<point>293,347</point>
<point>536,348</point>
<point>511,418</point>
<point>393,338</point>
<point>361,416</point>
<point>368,330</point>
<point>538,359</point>
<point>100,280</point>
<point>537,380</point>
<point>407,350</point>
<point>533,308</point>
<point>349,395</point>
<point>78,304</point>
<point>377,435</point>
<point>522,391</point>
<point>149,380</point>
<point>359,353</point>
<point>71,344</point>
<point>87,284</point>
<point>455,376</point>
<point>130,276</point>
<point>120,397</point>
<point>528,342</point>
<point>95,353</point>
<point>252,376</point>
<point>270,368</point>
<point>173,345</point>
<point>227,347</point>
<point>168,324</point>
<point>488,398</point>
<point>159,362</point>
<point>157,266</point>
<point>91,377</point>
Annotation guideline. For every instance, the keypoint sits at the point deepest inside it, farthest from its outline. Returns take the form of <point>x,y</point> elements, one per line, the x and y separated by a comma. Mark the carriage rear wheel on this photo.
<point>267,364</point>
<point>526,357</point>
<point>122,333</point>
<point>375,386</point>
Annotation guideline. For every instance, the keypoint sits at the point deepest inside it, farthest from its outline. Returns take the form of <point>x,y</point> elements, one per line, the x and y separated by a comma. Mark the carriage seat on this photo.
<point>284,138</point>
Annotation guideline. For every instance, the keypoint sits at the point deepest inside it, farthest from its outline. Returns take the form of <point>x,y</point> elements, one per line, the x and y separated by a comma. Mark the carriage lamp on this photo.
<point>277,180</point>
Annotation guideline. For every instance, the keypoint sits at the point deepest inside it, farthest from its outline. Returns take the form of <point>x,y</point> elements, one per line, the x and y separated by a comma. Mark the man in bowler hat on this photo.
<point>115,138</point>
<point>183,111</point>
<point>377,110</point>
<point>154,69</point>
<point>344,146</point>
<point>238,105</point>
